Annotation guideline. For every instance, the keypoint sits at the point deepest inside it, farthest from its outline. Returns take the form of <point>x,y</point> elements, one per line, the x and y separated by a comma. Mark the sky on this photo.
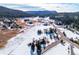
<point>38,1</point>
<point>35,5</point>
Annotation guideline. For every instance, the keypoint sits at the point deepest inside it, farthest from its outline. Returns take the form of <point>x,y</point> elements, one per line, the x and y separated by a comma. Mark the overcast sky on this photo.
<point>38,1</point>
<point>31,5</point>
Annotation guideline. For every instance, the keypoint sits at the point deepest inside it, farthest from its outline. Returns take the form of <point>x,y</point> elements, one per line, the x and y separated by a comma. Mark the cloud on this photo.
<point>59,7</point>
<point>23,7</point>
<point>38,1</point>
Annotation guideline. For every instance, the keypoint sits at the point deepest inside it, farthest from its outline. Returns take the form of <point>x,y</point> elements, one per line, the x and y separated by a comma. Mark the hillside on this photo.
<point>11,13</point>
<point>42,13</point>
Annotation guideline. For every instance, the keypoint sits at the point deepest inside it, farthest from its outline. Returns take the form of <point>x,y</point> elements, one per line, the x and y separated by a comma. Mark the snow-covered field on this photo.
<point>76,51</point>
<point>58,50</point>
<point>69,33</point>
<point>18,45</point>
<point>64,50</point>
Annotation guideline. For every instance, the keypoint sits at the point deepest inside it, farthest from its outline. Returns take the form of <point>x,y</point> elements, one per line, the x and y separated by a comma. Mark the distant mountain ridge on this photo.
<point>41,13</point>
<point>6,12</point>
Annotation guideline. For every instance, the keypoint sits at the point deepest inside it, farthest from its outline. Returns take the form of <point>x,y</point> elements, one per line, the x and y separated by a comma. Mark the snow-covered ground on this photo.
<point>14,42</point>
<point>76,51</point>
<point>58,50</point>
<point>64,50</point>
<point>69,33</point>
<point>18,45</point>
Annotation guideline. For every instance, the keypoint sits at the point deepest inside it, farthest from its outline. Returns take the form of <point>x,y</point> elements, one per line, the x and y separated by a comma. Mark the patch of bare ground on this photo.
<point>5,35</point>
